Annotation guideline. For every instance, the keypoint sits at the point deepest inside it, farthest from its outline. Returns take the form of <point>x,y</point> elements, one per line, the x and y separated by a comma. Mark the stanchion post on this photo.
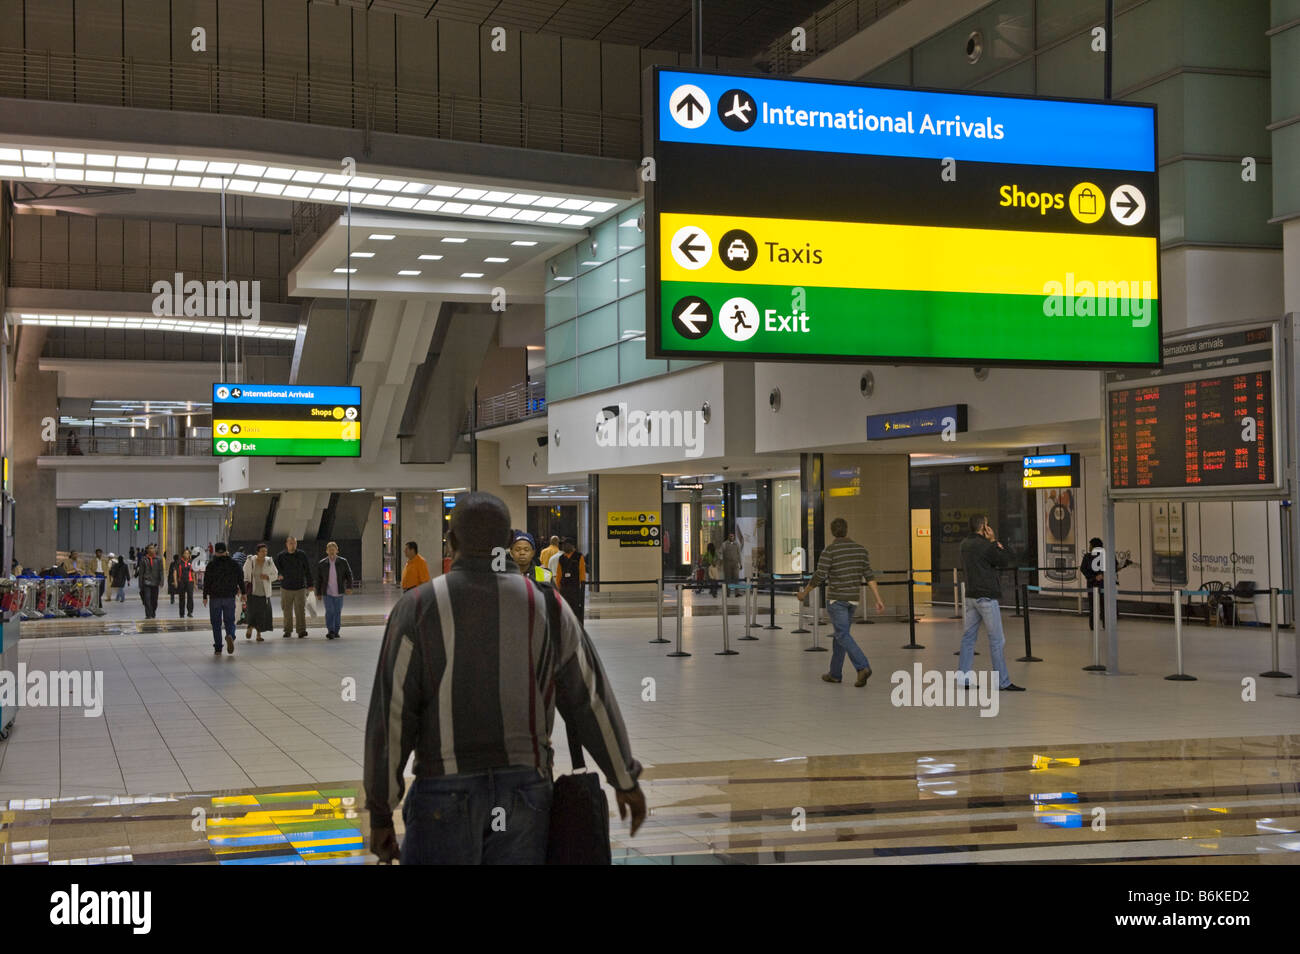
<point>962,617</point>
<point>771,602</point>
<point>681,613</point>
<point>1179,676</point>
<point>1276,672</point>
<point>1017,572</point>
<point>726,633</point>
<point>911,617</point>
<point>749,612</point>
<point>816,598</point>
<point>1022,597</point>
<point>659,612</point>
<point>798,618</point>
<point>956,596</point>
<point>1096,633</point>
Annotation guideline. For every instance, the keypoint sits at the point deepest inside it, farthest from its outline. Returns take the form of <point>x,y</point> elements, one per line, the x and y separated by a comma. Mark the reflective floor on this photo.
<point>1209,801</point>
<point>255,758</point>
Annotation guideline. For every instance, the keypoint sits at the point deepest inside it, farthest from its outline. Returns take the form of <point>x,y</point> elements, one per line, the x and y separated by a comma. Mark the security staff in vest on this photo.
<point>295,578</point>
<point>522,550</point>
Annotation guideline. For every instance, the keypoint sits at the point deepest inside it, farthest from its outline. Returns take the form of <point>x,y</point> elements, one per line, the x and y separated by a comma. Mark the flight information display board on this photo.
<point>1205,423</point>
<point>285,420</point>
<point>808,220</point>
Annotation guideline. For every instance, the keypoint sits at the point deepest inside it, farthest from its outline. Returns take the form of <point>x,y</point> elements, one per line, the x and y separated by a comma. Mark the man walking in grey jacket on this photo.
<point>150,575</point>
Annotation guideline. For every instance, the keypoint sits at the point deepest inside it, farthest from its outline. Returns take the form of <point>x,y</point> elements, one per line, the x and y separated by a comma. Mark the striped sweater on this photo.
<point>469,678</point>
<point>844,566</point>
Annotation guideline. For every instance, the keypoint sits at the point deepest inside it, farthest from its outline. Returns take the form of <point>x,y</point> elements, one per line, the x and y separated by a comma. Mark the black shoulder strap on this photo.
<point>555,618</point>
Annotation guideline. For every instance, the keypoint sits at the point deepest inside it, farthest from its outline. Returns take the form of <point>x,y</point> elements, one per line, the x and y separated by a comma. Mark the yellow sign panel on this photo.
<point>632,517</point>
<point>1056,480</point>
<point>910,257</point>
<point>288,429</point>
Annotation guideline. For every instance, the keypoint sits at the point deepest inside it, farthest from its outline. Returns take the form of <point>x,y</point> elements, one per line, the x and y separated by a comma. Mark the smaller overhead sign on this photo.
<point>1053,470</point>
<point>930,420</point>
<point>633,528</point>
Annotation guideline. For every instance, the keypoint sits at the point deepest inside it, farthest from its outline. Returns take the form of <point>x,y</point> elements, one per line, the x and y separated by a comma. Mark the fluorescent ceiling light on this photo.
<point>32,162</point>
<point>453,240</point>
<point>237,329</point>
<point>495,258</point>
<point>382,237</point>
<point>523,242</point>
<point>471,274</point>
<point>345,271</point>
<point>431,258</point>
<point>409,271</point>
<point>363,254</point>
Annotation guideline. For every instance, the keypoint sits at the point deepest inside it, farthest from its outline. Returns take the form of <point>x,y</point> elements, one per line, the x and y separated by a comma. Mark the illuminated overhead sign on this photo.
<point>806,220</point>
<point>285,420</point>
<point>932,420</point>
<point>1052,470</point>
<point>1204,423</point>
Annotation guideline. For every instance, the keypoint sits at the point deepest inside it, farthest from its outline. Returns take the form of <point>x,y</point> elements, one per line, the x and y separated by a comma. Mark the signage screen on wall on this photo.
<point>1205,423</point>
<point>809,220</point>
<point>285,420</point>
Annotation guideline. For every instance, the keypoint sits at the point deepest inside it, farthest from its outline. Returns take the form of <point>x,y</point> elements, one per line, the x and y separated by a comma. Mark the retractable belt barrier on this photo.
<point>659,600</point>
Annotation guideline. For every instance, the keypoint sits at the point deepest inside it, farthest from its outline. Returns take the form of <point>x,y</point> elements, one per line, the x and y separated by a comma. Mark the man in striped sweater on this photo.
<point>843,567</point>
<point>469,678</point>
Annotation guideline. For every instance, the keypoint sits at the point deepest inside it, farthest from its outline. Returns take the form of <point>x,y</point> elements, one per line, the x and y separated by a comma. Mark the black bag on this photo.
<point>579,832</point>
<point>579,816</point>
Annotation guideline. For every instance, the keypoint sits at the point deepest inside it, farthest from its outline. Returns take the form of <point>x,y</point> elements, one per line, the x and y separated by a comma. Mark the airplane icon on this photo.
<point>739,111</point>
<point>742,112</point>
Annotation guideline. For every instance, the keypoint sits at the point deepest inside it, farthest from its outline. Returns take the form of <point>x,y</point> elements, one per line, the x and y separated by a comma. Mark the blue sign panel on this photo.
<point>930,420</point>
<point>284,394</point>
<point>870,120</point>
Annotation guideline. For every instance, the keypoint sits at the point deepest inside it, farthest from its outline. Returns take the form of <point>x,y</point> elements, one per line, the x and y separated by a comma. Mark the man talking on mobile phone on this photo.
<point>983,556</point>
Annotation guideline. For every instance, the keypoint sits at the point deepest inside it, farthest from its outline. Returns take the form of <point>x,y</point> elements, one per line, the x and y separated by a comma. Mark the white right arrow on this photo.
<point>690,317</point>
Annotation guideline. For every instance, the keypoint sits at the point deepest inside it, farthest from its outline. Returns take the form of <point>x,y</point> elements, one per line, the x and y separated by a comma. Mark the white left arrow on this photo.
<point>690,318</point>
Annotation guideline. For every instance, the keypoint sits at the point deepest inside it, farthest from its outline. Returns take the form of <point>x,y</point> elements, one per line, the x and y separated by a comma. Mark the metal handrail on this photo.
<point>101,276</point>
<point>317,99</point>
<point>131,447</point>
<point>524,400</point>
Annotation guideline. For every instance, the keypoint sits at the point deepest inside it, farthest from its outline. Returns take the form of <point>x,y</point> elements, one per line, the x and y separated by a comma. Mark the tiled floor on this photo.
<point>281,717</point>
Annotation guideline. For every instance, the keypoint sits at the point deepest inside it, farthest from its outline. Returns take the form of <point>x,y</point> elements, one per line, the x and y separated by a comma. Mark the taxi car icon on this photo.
<point>737,250</point>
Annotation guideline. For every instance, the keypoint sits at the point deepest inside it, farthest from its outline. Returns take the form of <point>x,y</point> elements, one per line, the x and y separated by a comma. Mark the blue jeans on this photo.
<point>497,817</point>
<point>333,613</point>
<point>990,613</point>
<point>221,611</point>
<point>841,616</point>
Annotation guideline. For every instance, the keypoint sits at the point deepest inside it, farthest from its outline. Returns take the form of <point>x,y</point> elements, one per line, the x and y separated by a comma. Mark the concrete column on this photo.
<point>489,481</point>
<point>35,396</point>
<point>419,517</point>
<point>627,492</point>
<point>871,492</point>
<point>372,543</point>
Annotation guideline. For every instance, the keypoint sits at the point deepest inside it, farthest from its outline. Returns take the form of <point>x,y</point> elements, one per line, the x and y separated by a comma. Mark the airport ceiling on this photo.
<point>731,27</point>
